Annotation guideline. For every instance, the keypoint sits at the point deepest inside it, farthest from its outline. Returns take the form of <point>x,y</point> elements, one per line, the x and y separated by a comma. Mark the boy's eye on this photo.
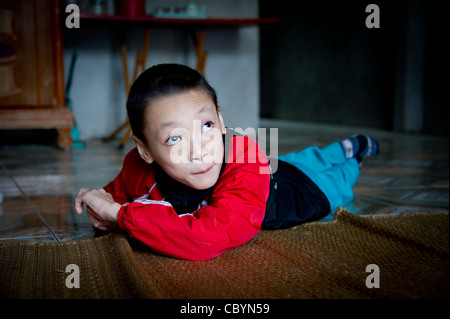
<point>173,140</point>
<point>207,126</point>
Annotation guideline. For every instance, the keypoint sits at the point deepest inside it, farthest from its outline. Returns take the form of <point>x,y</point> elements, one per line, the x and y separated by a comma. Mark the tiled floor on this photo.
<point>39,183</point>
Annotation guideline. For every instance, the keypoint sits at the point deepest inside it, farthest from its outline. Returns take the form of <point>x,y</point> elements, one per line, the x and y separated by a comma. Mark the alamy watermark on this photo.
<point>373,280</point>
<point>73,279</point>
<point>373,19</point>
<point>73,19</point>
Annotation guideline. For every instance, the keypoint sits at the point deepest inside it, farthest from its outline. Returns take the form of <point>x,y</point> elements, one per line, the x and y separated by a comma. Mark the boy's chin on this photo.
<point>203,183</point>
<point>202,186</point>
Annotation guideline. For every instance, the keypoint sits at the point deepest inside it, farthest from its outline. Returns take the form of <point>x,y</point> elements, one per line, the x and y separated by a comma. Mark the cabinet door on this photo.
<point>30,39</point>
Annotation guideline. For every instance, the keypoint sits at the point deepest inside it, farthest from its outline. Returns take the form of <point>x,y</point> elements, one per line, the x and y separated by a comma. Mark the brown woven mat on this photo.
<point>315,260</point>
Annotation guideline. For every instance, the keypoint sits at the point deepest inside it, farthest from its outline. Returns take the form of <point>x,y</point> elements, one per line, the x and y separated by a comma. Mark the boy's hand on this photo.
<point>101,209</point>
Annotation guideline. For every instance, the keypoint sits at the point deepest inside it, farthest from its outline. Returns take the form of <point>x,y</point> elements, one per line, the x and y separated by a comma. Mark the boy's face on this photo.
<point>184,136</point>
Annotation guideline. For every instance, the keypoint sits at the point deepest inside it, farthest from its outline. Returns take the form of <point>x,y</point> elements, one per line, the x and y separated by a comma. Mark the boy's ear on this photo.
<point>142,149</point>
<point>224,130</point>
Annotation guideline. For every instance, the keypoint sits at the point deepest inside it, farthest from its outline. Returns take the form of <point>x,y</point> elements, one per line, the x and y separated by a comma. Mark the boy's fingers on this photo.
<point>79,200</point>
<point>79,205</point>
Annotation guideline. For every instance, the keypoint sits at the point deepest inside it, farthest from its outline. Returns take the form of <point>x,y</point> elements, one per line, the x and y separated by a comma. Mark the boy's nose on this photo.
<point>196,148</point>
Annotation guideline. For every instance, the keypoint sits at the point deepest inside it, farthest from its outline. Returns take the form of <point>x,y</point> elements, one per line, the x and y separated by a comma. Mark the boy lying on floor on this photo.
<point>192,189</point>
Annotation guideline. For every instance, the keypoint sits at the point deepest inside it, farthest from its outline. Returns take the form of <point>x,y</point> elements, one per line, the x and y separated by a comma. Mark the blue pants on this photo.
<point>328,168</point>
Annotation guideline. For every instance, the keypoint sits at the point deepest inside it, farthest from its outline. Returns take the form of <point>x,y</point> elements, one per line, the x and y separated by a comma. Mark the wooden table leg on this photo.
<point>64,140</point>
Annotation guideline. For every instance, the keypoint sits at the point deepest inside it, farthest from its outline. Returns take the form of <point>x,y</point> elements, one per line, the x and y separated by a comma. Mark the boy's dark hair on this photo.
<point>159,81</point>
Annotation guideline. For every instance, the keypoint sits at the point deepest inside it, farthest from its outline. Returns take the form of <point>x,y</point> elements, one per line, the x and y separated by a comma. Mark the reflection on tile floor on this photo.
<point>39,182</point>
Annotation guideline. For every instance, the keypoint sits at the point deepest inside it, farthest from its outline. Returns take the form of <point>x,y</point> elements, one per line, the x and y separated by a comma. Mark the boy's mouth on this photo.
<point>203,171</point>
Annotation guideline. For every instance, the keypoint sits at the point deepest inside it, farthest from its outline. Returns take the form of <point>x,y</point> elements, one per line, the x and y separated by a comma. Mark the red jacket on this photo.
<point>232,216</point>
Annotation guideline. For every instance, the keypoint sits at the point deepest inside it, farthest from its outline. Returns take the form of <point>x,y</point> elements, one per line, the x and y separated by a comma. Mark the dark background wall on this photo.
<point>322,64</point>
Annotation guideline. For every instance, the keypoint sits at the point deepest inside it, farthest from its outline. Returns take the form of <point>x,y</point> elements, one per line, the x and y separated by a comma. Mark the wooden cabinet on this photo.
<point>32,94</point>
